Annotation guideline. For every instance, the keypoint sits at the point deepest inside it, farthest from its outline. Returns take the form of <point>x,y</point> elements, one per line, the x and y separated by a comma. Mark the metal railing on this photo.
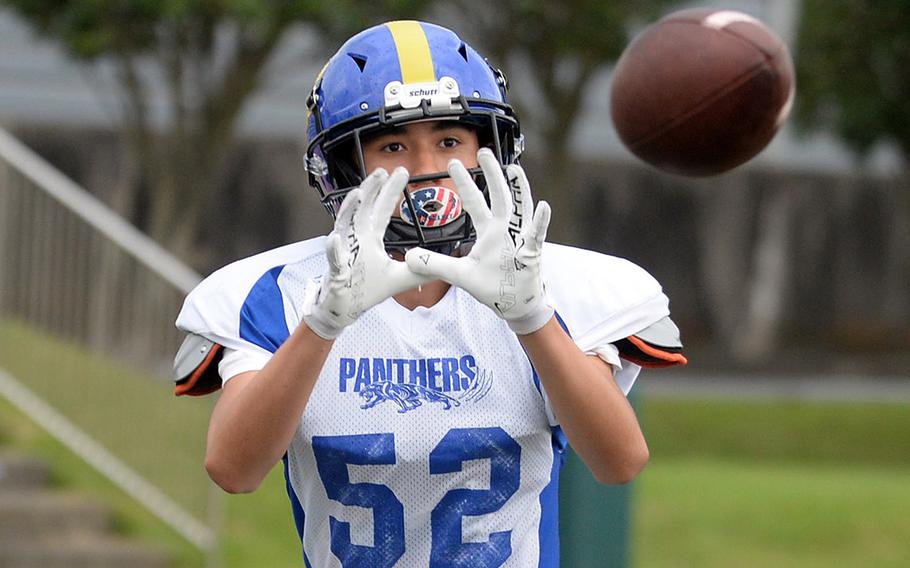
<point>87,338</point>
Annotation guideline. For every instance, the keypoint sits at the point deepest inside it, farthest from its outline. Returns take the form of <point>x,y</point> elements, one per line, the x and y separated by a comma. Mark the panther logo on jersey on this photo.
<point>406,396</point>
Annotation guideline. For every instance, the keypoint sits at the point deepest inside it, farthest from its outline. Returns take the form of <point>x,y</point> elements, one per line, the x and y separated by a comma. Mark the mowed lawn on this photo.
<point>730,483</point>
<point>762,483</point>
<point>720,513</point>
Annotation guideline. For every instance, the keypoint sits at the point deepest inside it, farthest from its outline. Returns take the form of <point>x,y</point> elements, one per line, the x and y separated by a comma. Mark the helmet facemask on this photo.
<point>335,162</point>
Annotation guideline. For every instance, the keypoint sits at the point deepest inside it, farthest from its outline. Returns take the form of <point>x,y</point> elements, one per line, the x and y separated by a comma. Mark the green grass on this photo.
<point>720,513</point>
<point>161,436</point>
<point>731,483</point>
<point>70,472</point>
<point>770,483</point>
<point>134,415</point>
<point>829,433</point>
<point>259,528</point>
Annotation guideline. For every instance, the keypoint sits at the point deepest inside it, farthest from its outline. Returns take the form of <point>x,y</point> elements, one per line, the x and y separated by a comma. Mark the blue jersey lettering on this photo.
<point>433,373</point>
<point>418,372</point>
<point>381,370</point>
<point>450,379</point>
<point>345,373</point>
<point>469,368</point>
<point>363,374</point>
<point>442,374</point>
<point>399,370</point>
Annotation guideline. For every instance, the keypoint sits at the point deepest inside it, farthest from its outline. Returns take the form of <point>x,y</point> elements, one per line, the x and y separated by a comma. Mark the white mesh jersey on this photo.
<point>427,440</point>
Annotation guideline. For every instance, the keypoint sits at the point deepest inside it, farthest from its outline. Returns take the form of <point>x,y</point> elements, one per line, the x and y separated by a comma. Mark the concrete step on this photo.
<point>83,551</point>
<point>45,528</point>
<point>21,471</point>
<point>31,514</point>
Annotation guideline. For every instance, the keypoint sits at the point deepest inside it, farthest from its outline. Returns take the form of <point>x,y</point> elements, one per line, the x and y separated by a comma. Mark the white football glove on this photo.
<point>360,273</point>
<point>502,270</point>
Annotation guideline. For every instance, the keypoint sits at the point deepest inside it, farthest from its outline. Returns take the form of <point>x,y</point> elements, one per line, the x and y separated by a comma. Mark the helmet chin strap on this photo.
<point>402,236</point>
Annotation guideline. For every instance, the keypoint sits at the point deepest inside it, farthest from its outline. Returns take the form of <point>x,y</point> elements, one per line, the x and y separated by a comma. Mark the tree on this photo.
<point>206,58</point>
<point>551,51</point>
<point>852,70</point>
<point>853,79</point>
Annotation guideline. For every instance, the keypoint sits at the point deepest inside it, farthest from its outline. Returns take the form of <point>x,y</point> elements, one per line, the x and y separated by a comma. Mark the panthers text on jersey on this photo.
<point>428,439</point>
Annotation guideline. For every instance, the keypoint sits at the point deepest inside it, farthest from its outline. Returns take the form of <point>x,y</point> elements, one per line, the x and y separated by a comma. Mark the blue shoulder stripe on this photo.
<point>262,320</point>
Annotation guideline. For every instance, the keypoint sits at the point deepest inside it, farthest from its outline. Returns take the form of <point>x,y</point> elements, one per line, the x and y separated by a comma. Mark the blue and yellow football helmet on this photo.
<point>389,75</point>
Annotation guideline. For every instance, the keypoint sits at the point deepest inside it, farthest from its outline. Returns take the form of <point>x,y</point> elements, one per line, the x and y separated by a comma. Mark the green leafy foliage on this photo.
<point>558,45</point>
<point>551,51</point>
<point>191,65</point>
<point>91,28</point>
<point>852,72</point>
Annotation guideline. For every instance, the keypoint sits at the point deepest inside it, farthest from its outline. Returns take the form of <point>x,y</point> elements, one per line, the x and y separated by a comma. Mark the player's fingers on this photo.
<point>522,202</point>
<point>471,197</point>
<point>538,231</point>
<point>500,200</point>
<point>336,254</point>
<point>369,189</point>
<point>429,263</point>
<point>387,198</point>
<point>345,216</point>
<point>400,277</point>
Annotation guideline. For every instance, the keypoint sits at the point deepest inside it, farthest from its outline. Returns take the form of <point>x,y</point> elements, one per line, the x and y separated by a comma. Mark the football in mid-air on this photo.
<point>701,91</point>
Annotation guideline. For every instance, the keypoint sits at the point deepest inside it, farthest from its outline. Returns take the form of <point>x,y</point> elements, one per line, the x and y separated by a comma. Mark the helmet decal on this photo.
<point>413,49</point>
<point>434,206</point>
<point>438,94</point>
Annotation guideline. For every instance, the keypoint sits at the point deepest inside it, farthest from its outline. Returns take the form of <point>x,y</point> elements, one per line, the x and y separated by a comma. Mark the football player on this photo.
<point>420,369</point>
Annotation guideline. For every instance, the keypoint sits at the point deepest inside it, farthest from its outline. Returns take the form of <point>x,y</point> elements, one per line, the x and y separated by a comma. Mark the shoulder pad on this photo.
<point>658,345</point>
<point>196,366</point>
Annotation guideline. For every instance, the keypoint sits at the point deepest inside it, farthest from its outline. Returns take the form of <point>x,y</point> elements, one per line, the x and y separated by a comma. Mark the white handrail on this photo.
<point>114,469</point>
<point>47,286</point>
<point>97,214</point>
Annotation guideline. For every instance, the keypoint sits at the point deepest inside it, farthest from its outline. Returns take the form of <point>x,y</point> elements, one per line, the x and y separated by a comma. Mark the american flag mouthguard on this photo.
<point>434,207</point>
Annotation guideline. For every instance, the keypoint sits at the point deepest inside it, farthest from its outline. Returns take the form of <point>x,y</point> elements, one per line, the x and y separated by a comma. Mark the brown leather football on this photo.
<point>701,91</point>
